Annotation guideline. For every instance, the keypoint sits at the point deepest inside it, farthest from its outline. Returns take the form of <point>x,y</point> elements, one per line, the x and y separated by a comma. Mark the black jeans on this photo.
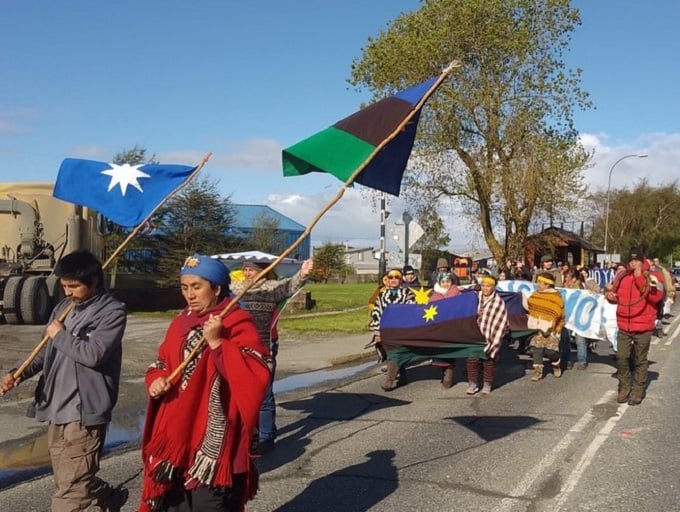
<point>205,499</point>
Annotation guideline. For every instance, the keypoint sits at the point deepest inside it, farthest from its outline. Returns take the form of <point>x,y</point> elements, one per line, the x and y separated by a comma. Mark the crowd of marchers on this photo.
<point>210,410</point>
<point>642,290</point>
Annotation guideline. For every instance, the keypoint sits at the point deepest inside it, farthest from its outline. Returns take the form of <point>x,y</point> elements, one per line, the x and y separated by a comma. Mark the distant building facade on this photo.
<point>246,217</point>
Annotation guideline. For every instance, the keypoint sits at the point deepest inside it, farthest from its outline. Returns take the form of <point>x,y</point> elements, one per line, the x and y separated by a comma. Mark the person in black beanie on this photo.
<point>410,278</point>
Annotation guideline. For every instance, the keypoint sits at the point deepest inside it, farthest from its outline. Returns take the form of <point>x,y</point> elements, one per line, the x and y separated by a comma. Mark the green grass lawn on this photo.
<point>348,323</point>
<point>337,297</point>
<point>330,298</point>
<point>350,301</point>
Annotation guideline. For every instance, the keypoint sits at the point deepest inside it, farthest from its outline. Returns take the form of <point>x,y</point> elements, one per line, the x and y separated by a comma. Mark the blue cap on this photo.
<point>206,267</point>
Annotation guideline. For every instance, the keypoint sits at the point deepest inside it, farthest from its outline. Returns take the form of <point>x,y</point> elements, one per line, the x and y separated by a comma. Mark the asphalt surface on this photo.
<point>22,447</point>
<point>345,445</point>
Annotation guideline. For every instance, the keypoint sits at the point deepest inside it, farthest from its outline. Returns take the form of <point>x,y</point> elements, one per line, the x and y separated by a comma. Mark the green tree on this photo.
<point>329,260</point>
<point>197,219</point>
<point>654,224</point>
<point>498,136</point>
<point>134,156</point>
<point>266,235</point>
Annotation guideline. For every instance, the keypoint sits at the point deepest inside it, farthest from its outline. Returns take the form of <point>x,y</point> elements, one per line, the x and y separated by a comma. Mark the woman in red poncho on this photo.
<point>196,446</point>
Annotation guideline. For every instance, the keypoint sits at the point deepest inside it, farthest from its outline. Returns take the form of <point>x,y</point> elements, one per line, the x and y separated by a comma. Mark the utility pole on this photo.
<point>407,220</point>
<point>383,216</point>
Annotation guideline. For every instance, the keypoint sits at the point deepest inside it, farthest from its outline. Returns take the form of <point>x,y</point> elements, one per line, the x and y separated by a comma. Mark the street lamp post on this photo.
<point>609,183</point>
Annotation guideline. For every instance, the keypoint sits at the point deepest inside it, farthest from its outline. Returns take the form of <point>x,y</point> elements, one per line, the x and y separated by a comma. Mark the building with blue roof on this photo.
<point>246,217</point>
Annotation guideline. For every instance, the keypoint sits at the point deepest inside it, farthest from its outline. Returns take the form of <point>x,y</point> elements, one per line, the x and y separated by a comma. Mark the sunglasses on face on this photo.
<point>410,273</point>
<point>393,276</point>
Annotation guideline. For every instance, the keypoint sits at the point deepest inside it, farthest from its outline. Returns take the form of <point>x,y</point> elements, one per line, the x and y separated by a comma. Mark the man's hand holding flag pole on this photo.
<point>371,147</point>
<point>82,182</point>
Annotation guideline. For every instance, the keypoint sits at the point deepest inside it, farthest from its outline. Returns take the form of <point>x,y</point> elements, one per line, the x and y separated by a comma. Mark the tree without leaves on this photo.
<point>434,238</point>
<point>197,219</point>
<point>498,137</point>
<point>117,234</point>
<point>266,235</point>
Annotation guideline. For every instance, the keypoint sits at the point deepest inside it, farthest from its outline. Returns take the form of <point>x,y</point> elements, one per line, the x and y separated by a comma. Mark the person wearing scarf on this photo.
<point>545,308</point>
<point>492,318</point>
<point>196,444</point>
<point>393,293</point>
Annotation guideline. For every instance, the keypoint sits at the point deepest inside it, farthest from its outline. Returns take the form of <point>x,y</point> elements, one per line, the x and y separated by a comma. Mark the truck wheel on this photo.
<point>11,300</point>
<point>55,290</point>
<point>35,303</point>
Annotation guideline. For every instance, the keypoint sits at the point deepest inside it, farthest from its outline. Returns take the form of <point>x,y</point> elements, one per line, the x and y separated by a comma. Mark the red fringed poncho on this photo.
<point>200,432</point>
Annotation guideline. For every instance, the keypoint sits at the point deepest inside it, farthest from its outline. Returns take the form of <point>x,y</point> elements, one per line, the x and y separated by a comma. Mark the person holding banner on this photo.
<point>199,435</point>
<point>410,279</point>
<point>588,282</point>
<point>637,292</point>
<point>443,289</point>
<point>545,308</point>
<point>576,280</point>
<point>393,293</point>
<point>547,267</point>
<point>492,318</point>
<point>78,388</point>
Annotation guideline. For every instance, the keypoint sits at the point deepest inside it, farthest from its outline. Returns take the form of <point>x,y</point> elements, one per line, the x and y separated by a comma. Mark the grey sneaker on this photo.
<point>486,388</point>
<point>472,388</point>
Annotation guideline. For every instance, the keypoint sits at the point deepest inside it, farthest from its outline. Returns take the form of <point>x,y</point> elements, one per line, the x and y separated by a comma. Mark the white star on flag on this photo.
<point>124,175</point>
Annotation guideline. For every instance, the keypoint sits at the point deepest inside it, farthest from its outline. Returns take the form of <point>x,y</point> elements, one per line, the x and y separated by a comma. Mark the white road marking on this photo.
<point>550,458</point>
<point>588,457</point>
<point>672,336</point>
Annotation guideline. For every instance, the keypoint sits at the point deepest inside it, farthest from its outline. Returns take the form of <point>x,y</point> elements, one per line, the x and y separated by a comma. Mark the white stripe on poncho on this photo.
<point>492,318</point>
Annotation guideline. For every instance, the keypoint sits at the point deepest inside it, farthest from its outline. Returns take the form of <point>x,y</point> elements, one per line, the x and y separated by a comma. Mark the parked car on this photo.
<point>675,273</point>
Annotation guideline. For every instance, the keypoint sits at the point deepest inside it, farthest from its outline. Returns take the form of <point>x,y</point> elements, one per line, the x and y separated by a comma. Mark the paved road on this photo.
<point>23,450</point>
<point>557,445</point>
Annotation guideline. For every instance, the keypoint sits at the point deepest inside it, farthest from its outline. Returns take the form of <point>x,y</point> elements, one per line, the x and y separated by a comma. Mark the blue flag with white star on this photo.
<point>124,193</point>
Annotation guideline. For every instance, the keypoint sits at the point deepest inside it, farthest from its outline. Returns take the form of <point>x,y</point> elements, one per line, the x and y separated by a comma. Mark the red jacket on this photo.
<point>636,301</point>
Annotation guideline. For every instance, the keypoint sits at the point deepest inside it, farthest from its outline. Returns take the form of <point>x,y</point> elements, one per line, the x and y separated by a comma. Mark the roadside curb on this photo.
<point>350,358</point>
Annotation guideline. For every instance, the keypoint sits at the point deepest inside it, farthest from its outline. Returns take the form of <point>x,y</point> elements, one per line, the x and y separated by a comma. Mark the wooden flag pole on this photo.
<point>115,253</point>
<point>323,211</point>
